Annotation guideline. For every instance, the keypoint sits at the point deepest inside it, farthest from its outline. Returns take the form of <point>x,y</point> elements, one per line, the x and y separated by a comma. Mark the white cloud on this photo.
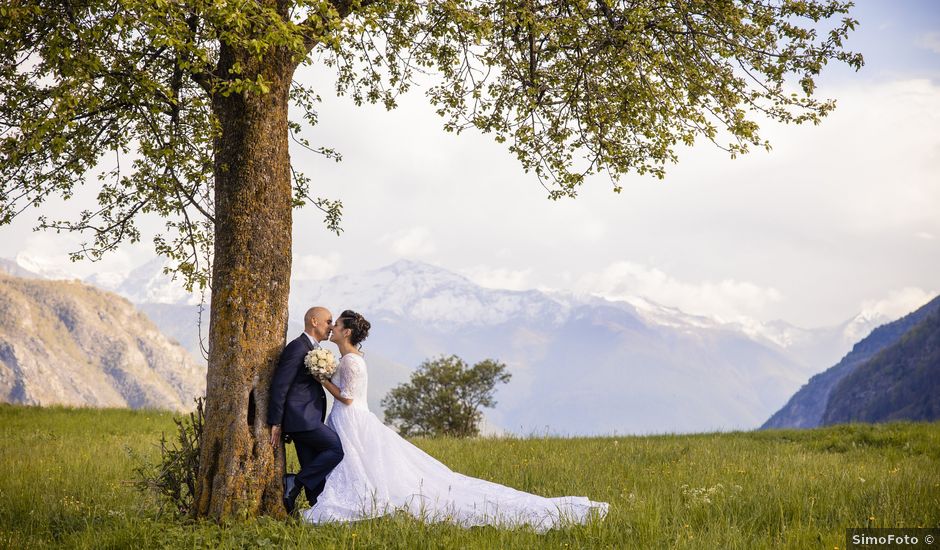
<point>508,279</point>
<point>410,243</point>
<point>311,266</point>
<point>47,253</point>
<point>727,300</point>
<point>898,303</point>
<point>930,41</point>
<point>925,236</point>
<point>878,311</point>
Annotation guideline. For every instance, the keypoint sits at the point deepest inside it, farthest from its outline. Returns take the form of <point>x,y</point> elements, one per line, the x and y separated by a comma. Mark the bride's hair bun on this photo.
<point>357,324</point>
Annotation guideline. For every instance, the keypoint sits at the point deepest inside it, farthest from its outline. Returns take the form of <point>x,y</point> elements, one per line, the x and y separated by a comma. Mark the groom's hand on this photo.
<point>275,436</point>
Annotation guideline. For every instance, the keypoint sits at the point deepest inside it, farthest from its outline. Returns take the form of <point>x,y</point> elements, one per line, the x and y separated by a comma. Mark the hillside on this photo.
<point>64,342</point>
<point>900,383</point>
<point>806,408</point>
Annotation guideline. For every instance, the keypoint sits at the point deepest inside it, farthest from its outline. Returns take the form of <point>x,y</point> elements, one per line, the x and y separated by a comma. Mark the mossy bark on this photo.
<point>240,474</point>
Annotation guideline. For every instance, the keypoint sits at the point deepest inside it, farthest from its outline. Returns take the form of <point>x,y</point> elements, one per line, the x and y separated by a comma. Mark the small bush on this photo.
<point>444,397</point>
<point>174,477</point>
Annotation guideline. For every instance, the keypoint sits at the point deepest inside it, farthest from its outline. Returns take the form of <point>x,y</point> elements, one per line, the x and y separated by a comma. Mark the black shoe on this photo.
<point>291,490</point>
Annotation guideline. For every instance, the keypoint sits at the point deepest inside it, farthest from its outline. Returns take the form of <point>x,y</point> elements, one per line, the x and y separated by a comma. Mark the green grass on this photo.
<point>64,477</point>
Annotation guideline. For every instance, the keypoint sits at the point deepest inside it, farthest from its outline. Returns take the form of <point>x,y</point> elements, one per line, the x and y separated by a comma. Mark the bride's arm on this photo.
<point>335,391</point>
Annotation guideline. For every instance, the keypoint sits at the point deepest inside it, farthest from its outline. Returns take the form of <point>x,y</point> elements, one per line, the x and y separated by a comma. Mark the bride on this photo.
<point>382,472</point>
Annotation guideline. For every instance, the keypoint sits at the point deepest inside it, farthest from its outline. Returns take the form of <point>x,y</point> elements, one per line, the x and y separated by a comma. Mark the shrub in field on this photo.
<point>444,397</point>
<point>173,477</point>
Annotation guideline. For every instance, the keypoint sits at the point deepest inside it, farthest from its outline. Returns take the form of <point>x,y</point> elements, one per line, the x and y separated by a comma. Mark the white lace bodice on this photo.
<point>352,379</point>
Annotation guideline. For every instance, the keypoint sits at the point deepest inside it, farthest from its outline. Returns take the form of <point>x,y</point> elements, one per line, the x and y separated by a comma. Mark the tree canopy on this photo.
<point>573,87</point>
<point>444,397</point>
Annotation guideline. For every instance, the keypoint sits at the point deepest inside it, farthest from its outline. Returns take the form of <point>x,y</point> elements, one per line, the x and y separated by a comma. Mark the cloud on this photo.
<point>410,243</point>
<point>897,304</point>
<point>311,266</point>
<point>508,279</point>
<point>725,300</point>
<point>925,236</point>
<point>930,41</point>
<point>47,253</point>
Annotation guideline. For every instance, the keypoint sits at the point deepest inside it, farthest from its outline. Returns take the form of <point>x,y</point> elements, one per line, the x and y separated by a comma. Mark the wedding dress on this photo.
<point>382,472</point>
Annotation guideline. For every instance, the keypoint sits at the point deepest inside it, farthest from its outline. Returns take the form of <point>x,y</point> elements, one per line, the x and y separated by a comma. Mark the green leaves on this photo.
<point>582,87</point>
<point>444,397</point>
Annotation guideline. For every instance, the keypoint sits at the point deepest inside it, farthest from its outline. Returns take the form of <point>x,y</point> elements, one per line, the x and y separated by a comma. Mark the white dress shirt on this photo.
<point>312,341</point>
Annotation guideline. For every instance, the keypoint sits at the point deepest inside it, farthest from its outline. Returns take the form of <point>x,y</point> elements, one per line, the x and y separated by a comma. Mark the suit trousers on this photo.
<point>318,451</point>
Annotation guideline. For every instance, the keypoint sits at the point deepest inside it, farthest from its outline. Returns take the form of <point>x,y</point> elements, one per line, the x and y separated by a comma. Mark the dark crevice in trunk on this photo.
<point>251,409</point>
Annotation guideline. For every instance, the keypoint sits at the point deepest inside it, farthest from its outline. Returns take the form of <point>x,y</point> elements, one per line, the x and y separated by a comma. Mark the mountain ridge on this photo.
<point>805,409</point>
<point>641,374</point>
<point>899,382</point>
<point>65,342</point>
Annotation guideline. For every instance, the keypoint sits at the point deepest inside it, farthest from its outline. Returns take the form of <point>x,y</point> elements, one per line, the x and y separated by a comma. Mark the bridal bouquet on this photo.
<point>320,363</point>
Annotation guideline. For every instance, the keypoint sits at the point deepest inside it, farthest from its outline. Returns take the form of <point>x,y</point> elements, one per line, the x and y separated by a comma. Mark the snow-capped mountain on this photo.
<point>417,290</point>
<point>861,325</point>
<point>39,268</point>
<point>814,347</point>
<point>10,267</point>
<point>454,301</point>
<point>146,284</point>
<point>580,364</point>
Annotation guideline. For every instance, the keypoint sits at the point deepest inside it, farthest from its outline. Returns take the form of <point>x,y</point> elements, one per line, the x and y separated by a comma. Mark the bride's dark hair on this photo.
<point>357,324</point>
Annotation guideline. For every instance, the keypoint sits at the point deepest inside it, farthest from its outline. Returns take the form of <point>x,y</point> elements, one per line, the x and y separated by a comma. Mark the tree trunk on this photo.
<point>240,474</point>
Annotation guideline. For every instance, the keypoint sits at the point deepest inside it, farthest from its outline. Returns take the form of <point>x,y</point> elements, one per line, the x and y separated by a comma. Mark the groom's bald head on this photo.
<point>316,312</point>
<point>317,322</point>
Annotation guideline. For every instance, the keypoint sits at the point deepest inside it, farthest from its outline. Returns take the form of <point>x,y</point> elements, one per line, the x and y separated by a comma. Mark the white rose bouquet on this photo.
<point>320,363</point>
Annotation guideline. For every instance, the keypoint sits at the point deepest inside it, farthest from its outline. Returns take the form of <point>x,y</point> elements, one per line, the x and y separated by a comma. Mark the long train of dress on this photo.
<point>382,472</point>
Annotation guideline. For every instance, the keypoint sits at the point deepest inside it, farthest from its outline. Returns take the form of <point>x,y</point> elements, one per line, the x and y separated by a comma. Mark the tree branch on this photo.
<point>343,7</point>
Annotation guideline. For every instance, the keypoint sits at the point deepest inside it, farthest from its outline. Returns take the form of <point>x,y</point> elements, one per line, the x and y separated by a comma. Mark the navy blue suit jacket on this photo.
<point>296,401</point>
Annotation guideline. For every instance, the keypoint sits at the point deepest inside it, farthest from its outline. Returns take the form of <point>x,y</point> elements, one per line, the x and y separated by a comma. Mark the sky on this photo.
<point>837,219</point>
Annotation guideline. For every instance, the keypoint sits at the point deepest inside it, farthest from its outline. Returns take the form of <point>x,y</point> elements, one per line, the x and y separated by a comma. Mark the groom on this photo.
<point>297,408</point>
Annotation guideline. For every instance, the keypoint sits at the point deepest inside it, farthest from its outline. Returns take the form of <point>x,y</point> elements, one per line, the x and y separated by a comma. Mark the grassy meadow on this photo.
<point>65,473</point>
